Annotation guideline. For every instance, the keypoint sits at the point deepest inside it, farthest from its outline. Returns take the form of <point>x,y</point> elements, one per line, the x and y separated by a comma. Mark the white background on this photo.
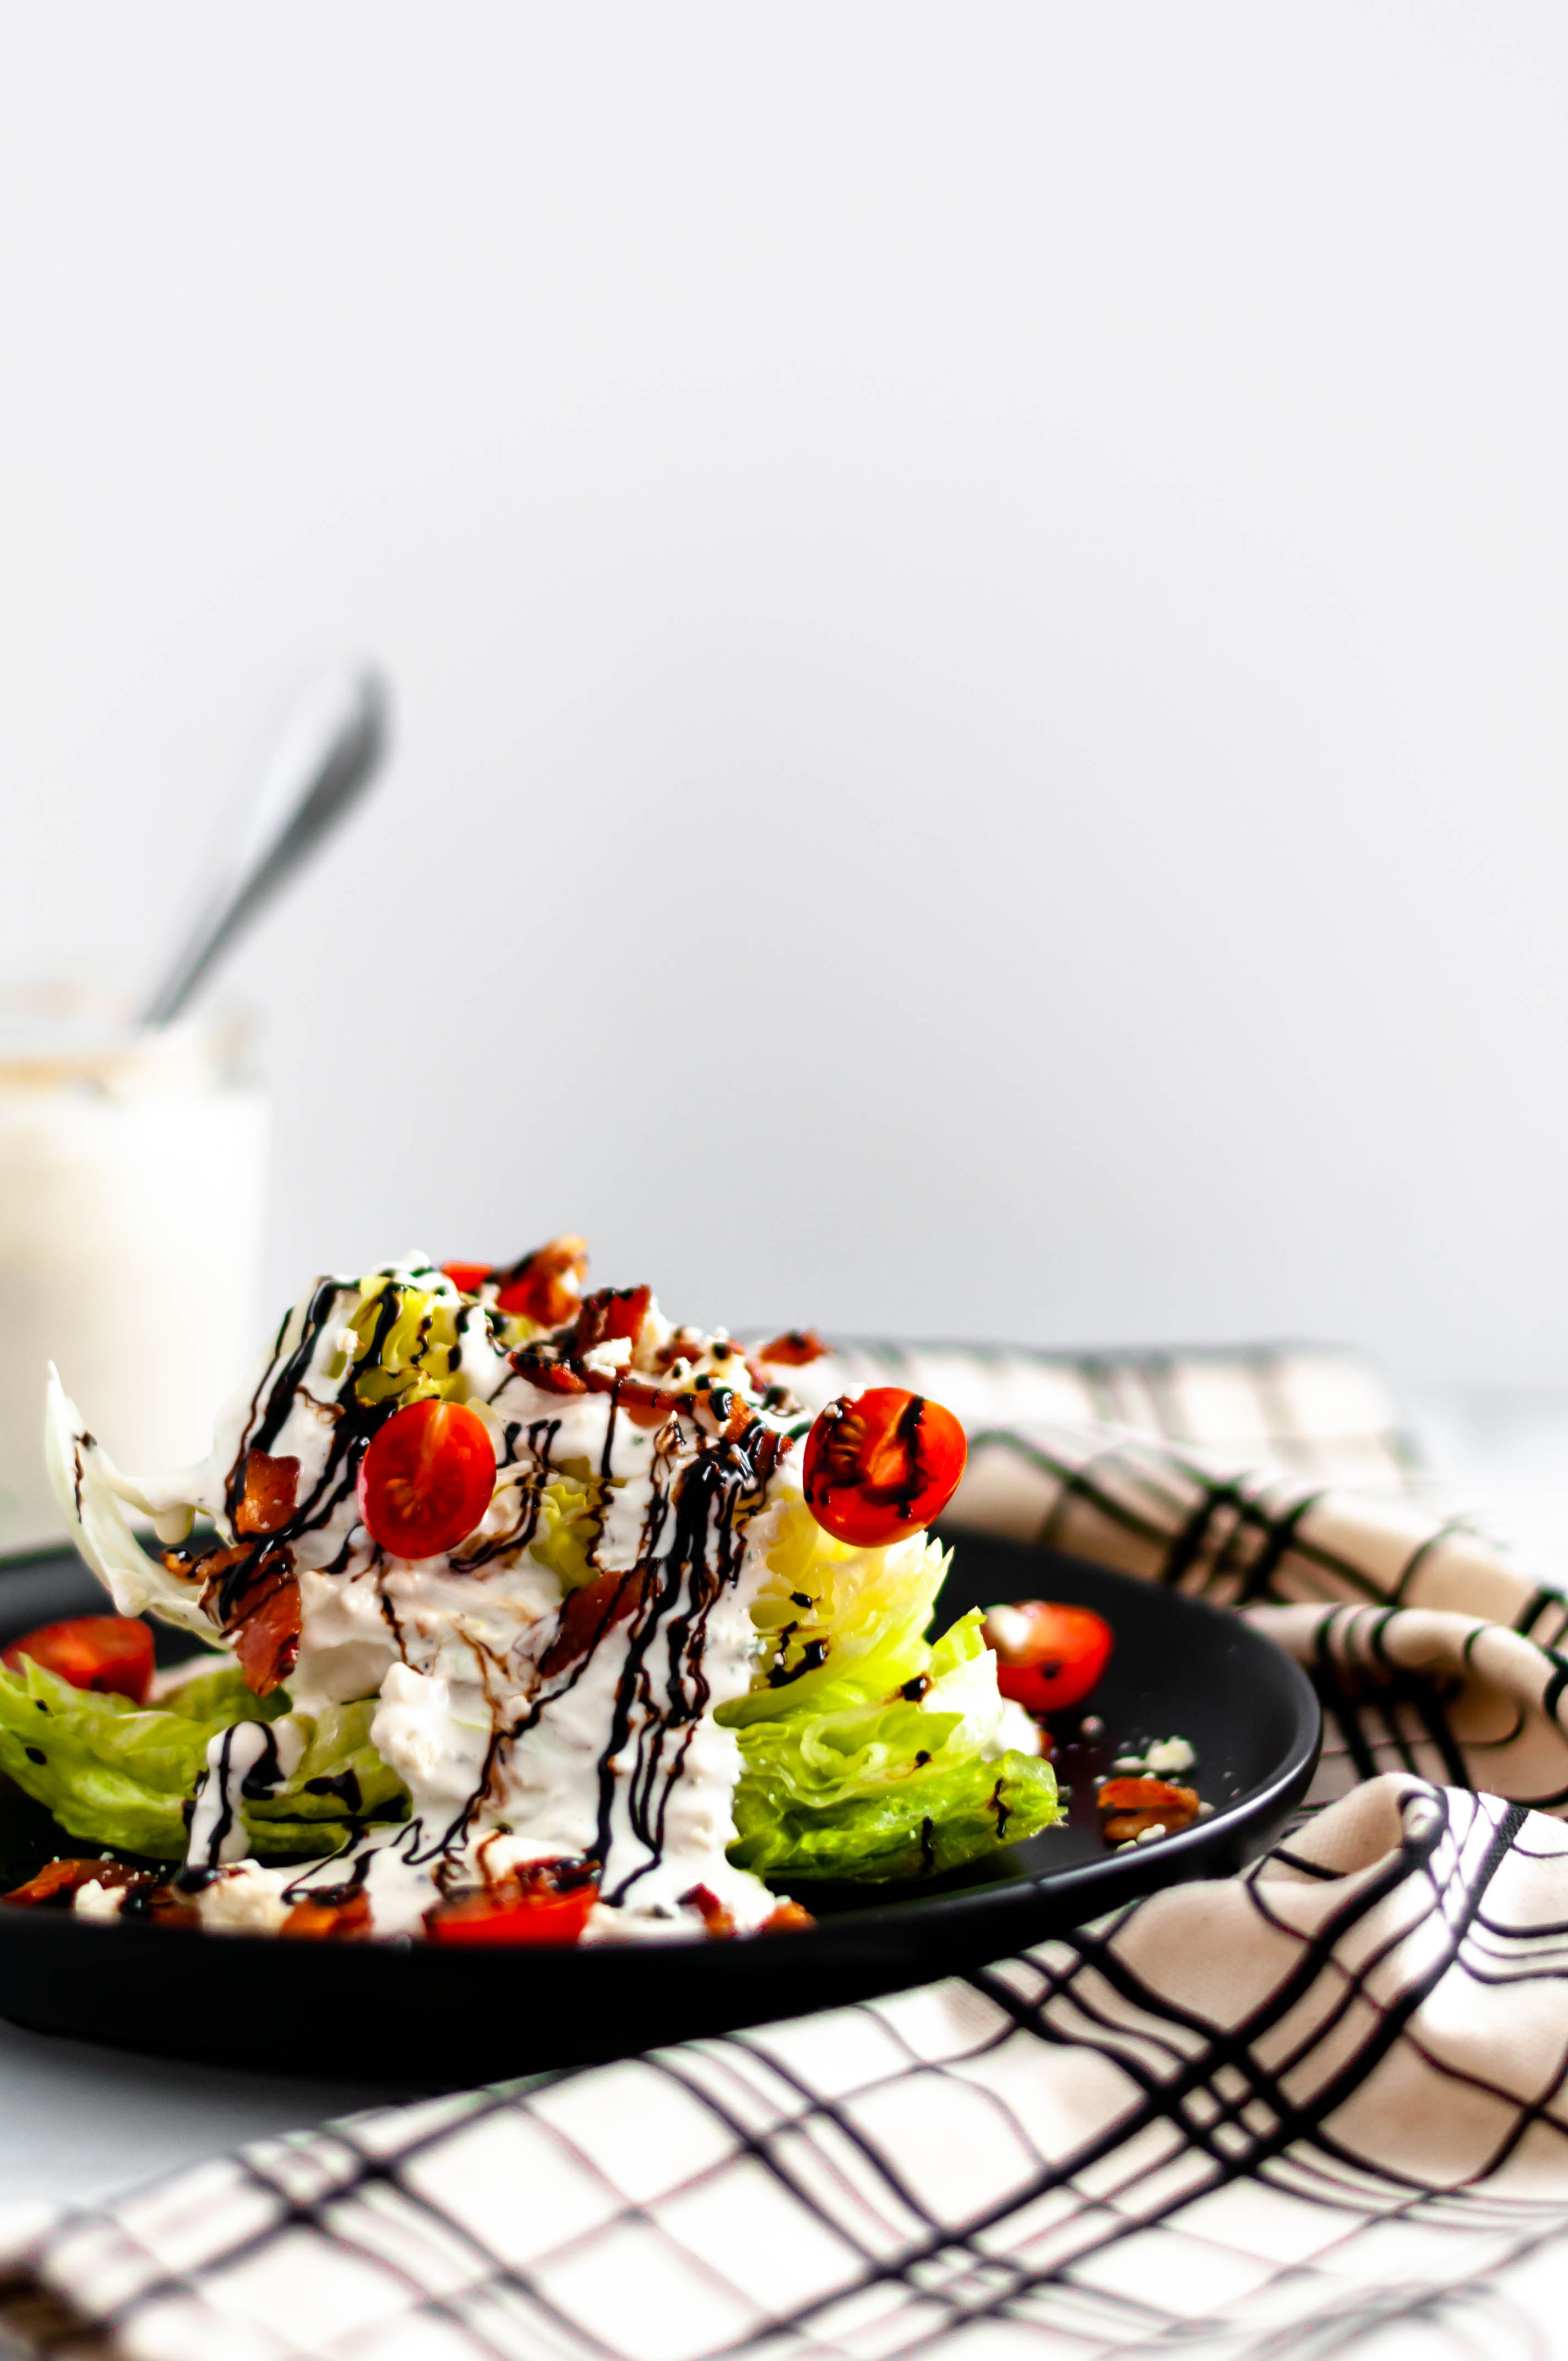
<point>977,597</point>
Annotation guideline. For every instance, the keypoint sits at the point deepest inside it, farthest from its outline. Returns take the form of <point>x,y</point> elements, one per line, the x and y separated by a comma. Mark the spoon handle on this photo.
<point>308,792</point>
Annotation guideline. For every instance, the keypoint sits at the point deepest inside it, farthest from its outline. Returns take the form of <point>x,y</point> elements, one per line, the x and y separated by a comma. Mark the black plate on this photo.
<point>444,2017</point>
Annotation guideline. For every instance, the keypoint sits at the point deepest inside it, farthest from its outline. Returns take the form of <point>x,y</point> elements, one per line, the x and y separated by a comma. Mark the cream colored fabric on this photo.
<point>1312,2109</point>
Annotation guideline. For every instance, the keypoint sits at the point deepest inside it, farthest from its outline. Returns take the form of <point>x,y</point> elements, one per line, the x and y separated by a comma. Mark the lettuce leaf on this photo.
<point>914,1828</point>
<point>120,1774</point>
<point>866,1751</point>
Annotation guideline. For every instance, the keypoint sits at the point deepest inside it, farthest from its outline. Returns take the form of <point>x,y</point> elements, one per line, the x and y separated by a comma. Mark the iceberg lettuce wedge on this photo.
<point>868,1752</point>
<point>121,1776</point>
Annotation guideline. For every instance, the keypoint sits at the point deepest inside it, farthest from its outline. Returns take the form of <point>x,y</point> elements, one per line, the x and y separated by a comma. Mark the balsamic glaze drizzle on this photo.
<point>712,1459</point>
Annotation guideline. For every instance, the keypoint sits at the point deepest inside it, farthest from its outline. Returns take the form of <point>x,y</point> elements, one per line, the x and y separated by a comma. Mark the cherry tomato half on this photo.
<point>880,1465</point>
<point>426,1479</point>
<point>526,1909</point>
<point>468,1278</point>
<point>111,1653</point>
<point>1048,1655</point>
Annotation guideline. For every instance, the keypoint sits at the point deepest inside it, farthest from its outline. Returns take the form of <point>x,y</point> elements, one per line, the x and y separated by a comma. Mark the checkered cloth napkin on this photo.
<point>1285,2114</point>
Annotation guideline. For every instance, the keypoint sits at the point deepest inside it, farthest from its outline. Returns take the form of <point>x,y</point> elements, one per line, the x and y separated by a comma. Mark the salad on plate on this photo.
<point>528,1617</point>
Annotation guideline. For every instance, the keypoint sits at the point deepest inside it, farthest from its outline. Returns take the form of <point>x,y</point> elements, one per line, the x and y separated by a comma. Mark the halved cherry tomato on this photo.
<point>527,1908</point>
<point>1048,1655</point>
<point>110,1652</point>
<point>880,1465</point>
<point>426,1479</point>
<point>468,1278</point>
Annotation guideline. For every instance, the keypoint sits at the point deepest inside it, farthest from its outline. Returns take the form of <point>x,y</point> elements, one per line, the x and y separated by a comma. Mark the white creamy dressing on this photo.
<point>505,1764</point>
<point>235,1758</point>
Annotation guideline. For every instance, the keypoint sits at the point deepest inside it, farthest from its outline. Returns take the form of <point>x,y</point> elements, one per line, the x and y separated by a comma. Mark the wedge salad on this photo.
<point>539,1620</point>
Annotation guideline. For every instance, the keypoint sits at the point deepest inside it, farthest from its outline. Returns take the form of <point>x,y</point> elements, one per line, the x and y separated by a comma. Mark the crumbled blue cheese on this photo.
<point>1160,1758</point>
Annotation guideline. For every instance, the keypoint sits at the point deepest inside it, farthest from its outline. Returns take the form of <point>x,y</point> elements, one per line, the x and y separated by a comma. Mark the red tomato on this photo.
<point>880,1465</point>
<point>468,1278</point>
<point>426,1479</point>
<point>526,1909</point>
<point>1055,1660</point>
<point>111,1653</point>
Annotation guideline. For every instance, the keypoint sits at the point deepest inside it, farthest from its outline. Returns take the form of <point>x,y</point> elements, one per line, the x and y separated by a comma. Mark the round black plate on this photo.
<point>442,2018</point>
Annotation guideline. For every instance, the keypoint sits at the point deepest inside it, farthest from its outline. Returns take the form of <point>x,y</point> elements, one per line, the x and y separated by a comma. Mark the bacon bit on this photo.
<point>271,1489</point>
<point>260,1611</point>
<point>268,1644</point>
<point>588,1614</point>
<point>767,1450</point>
<point>1129,1807</point>
<point>787,1919</point>
<point>59,1883</point>
<point>722,1411</point>
<point>613,1313</point>
<point>329,1922</point>
<point>196,1565</point>
<point>164,1906</point>
<point>250,1593</point>
<point>793,1349</point>
<point>543,1368</point>
<point>546,1285</point>
<point>718,1921</point>
<point>686,1344</point>
<point>646,1404</point>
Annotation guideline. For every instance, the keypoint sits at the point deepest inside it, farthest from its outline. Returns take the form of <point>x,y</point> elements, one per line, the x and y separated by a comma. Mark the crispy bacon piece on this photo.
<point>683,1345</point>
<point>722,1411</point>
<point>787,1919</point>
<point>329,1922</point>
<point>251,1595</point>
<point>257,1604</point>
<point>588,1614</point>
<point>546,1285</point>
<point>1129,1807</point>
<point>57,1885</point>
<point>191,1562</point>
<point>542,1366</point>
<point>646,1404</point>
<point>793,1349</point>
<point>271,1491</point>
<point>164,1904</point>
<point>267,1640</point>
<point>718,1921</point>
<point>612,1313</point>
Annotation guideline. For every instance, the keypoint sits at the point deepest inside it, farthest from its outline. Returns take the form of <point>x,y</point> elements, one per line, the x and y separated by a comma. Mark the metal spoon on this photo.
<point>333,747</point>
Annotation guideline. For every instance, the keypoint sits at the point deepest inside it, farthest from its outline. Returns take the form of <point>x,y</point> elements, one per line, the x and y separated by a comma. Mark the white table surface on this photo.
<point>79,2122</point>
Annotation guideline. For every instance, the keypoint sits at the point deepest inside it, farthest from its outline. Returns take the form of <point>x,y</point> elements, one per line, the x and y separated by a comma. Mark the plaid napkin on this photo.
<point>1270,2116</point>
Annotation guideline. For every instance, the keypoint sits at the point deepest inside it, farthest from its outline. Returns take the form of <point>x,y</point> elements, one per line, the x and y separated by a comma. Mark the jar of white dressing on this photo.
<point>132,1187</point>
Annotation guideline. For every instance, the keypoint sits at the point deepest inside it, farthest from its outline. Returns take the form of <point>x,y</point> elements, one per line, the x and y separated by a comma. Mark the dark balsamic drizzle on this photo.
<point>689,1557</point>
<point>256,1784</point>
<point>691,1550</point>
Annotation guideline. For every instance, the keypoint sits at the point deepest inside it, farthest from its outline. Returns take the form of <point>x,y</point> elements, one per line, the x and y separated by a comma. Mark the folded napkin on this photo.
<point>1269,2115</point>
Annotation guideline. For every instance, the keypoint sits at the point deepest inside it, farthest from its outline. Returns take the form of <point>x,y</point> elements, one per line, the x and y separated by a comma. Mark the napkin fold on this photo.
<point>1271,2114</point>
